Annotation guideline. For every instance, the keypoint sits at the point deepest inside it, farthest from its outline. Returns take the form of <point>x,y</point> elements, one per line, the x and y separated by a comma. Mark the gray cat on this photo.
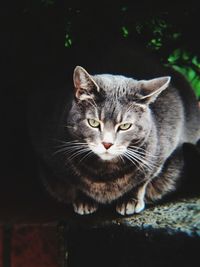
<point>126,140</point>
<point>122,142</point>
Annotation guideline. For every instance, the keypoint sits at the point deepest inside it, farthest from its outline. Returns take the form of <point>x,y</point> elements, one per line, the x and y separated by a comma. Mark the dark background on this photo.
<point>39,41</point>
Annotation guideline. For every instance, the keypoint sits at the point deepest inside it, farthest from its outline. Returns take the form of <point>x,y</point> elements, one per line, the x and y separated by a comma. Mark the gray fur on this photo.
<point>146,158</point>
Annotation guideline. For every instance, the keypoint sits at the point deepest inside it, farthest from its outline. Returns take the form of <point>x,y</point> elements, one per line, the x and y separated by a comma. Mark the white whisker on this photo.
<point>140,163</point>
<point>77,153</point>
<point>141,151</point>
<point>69,148</point>
<point>135,162</point>
<point>147,158</point>
<point>86,156</point>
<point>121,158</point>
<point>146,162</point>
<point>138,147</point>
<point>70,142</point>
<point>74,148</point>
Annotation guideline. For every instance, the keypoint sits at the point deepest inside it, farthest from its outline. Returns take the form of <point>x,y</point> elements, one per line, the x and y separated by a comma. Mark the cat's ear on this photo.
<point>85,86</point>
<point>150,89</point>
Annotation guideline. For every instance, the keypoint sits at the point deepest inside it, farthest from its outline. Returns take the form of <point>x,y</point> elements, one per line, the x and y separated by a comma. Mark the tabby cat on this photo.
<point>119,141</point>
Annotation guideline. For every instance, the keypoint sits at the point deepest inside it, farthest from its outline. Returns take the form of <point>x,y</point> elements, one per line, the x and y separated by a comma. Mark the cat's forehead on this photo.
<point>113,83</point>
<point>116,106</point>
<point>114,111</point>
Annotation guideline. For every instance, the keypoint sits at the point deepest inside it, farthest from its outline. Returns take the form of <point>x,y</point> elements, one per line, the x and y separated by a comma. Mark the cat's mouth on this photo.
<point>111,154</point>
<point>107,156</point>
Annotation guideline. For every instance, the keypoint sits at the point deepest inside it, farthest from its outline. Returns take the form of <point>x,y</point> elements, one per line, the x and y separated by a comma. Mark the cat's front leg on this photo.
<point>84,206</point>
<point>133,203</point>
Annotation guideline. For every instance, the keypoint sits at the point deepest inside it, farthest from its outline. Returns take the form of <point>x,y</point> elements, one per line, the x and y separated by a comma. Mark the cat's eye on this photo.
<point>125,126</point>
<point>93,123</point>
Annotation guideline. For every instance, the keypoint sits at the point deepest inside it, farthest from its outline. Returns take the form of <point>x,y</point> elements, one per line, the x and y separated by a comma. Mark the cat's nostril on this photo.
<point>107,145</point>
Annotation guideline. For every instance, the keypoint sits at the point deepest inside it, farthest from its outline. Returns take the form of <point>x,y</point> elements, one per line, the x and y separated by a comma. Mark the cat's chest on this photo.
<point>107,191</point>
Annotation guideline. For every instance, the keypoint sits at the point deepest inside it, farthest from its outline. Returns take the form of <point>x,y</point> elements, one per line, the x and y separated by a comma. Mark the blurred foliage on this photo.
<point>159,34</point>
<point>187,64</point>
<point>125,31</point>
<point>167,31</point>
<point>183,61</point>
<point>68,40</point>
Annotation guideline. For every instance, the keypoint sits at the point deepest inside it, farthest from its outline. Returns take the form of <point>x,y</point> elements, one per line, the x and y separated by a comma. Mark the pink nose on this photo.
<point>107,145</point>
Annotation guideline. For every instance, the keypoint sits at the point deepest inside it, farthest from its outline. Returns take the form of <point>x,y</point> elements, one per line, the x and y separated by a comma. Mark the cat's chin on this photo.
<point>108,157</point>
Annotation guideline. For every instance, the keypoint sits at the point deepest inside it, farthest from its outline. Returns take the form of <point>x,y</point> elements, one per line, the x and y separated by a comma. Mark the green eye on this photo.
<point>93,123</point>
<point>125,126</point>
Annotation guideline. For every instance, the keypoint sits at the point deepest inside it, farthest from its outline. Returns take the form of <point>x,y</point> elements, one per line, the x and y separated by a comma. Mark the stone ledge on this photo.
<point>167,235</point>
<point>180,216</point>
<point>163,235</point>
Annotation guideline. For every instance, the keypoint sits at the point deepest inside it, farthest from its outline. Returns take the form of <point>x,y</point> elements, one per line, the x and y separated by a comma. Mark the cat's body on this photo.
<point>119,140</point>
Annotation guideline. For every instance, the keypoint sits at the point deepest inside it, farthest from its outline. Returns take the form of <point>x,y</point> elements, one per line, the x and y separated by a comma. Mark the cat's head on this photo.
<point>111,112</point>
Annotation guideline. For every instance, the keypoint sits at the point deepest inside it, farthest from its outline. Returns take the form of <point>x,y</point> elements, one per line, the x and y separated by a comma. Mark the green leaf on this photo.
<point>68,41</point>
<point>191,74</point>
<point>125,32</point>
<point>196,61</point>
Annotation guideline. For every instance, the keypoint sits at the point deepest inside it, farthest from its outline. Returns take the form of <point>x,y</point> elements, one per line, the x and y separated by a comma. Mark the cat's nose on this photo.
<point>107,145</point>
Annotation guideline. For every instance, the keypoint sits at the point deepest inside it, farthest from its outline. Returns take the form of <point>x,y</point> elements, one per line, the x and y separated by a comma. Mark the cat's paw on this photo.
<point>130,206</point>
<point>84,208</point>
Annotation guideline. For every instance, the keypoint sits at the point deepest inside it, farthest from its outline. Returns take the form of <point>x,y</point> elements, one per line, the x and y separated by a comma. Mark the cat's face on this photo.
<point>107,114</point>
<point>112,126</point>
